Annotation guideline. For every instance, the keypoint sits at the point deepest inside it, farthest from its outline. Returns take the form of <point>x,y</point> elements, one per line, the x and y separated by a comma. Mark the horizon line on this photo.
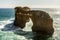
<point>34,6</point>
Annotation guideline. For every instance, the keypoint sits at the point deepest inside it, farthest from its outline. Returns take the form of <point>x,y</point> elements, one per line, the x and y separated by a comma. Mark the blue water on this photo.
<point>6,13</point>
<point>9,33</point>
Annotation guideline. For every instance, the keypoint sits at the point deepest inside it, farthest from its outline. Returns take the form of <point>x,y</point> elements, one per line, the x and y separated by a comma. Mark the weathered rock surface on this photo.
<point>20,16</point>
<point>42,22</point>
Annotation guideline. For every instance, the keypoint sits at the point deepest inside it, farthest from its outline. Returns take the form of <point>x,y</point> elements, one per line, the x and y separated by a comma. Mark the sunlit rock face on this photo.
<point>26,8</point>
<point>42,22</point>
<point>20,16</point>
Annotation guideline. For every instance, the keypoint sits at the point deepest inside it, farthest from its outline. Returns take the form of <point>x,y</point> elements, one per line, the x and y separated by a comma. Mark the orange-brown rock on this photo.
<point>20,16</point>
<point>42,22</point>
<point>26,8</point>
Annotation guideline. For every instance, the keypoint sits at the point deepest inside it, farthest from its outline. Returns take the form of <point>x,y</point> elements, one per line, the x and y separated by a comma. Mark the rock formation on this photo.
<point>42,22</point>
<point>20,16</point>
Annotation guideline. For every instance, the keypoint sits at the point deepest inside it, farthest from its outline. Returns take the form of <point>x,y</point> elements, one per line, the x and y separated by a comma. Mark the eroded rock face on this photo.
<point>21,16</point>
<point>42,22</point>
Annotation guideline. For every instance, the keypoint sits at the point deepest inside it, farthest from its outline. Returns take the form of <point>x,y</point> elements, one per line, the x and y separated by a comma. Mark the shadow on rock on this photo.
<point>18,31</point>
<point>30,35</point>
<point>9,27</point>
<point>27,34</point>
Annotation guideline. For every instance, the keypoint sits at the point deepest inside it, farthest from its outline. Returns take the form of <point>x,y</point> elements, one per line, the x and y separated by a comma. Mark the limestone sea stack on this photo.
<point>42,22</point>
<point>20,16</point>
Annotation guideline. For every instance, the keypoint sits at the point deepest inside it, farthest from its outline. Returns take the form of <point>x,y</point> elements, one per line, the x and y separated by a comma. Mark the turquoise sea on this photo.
<point>7,31</point>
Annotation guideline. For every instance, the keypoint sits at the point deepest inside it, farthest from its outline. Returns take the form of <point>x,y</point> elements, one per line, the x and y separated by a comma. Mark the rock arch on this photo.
<point>42,22</point>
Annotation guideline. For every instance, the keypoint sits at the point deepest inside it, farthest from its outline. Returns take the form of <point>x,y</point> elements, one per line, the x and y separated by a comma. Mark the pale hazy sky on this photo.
<point>31,3</point>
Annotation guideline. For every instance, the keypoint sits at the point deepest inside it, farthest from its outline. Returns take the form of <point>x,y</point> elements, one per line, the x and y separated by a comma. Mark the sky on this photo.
<point>30,3</point>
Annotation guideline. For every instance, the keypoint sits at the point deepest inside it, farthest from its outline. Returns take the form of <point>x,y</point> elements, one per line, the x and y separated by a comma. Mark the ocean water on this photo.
<point>7,31</point>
